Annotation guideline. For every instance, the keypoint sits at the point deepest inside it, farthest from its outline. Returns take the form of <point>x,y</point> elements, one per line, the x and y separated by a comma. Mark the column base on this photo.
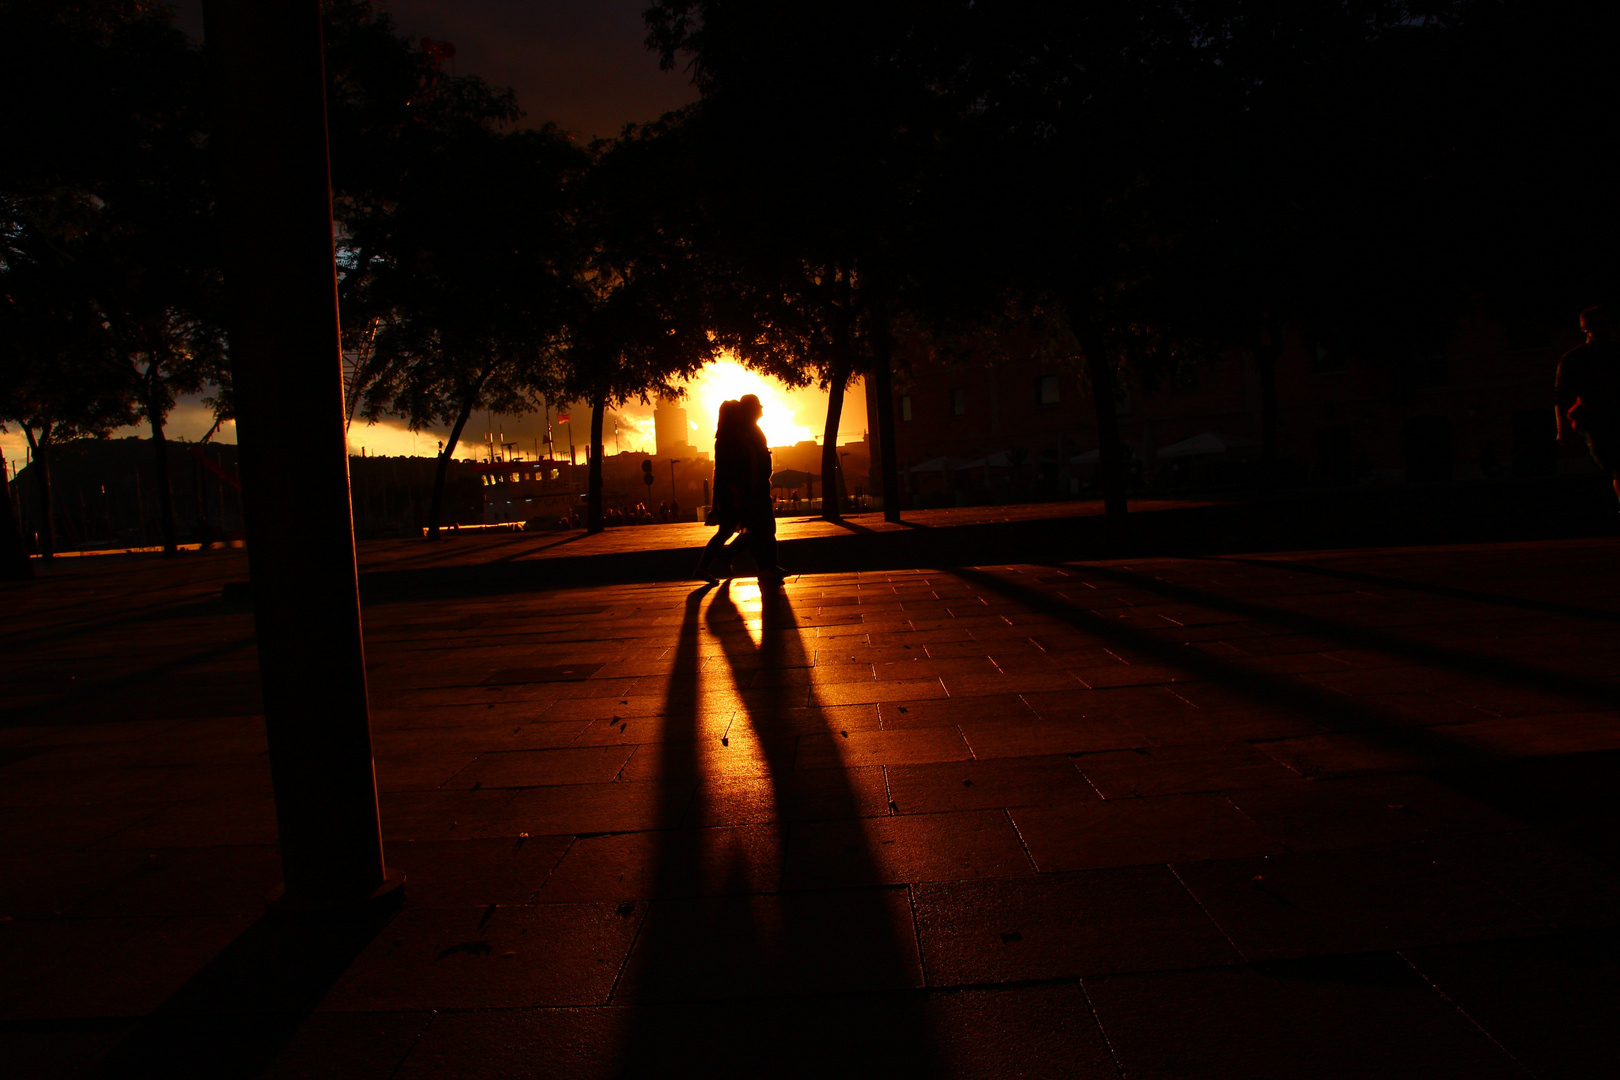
<point>390,893</point>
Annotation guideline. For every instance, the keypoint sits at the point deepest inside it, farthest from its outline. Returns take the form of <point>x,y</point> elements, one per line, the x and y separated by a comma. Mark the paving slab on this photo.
<point>1136,832</point>
<point>982,784</point>
<point>1333,813</point>
<point>1180,770</point>
<point>430,958</point>
<point>731,947</point>
<point>1551,1002</point>
<point>1058,926</point>
<point>1350,900</point>
<point>1348,1017</point>
<point>903,848</point>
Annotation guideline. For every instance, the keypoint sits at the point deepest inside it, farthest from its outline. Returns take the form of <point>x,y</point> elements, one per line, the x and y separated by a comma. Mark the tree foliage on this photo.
<point>391,108</point>
<point>109,253</point>
<point>476,285</point>
<point>1110,188</point>
<point>827,118</point>
<point>643,292</point>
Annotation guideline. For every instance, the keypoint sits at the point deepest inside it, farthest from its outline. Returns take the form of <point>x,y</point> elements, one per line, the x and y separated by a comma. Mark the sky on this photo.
<point>582,64</point>
<point>790,416</point>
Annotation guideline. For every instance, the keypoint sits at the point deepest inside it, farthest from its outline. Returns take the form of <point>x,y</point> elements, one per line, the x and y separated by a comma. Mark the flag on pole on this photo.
<point>562,418</point>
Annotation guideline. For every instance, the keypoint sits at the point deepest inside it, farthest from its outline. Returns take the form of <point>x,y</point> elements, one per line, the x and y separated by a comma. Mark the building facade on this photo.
<point>671,434</point>
<point>1478,409</point>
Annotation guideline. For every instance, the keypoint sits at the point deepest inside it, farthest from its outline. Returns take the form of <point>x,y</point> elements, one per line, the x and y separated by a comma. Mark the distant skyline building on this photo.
<point>671,434</point>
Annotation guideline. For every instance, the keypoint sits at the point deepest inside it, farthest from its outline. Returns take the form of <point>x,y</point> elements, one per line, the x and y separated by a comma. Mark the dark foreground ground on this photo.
<point>1337,814</point>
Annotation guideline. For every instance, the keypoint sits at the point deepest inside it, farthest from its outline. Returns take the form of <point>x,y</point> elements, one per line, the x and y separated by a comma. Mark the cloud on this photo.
<point>582,64</point>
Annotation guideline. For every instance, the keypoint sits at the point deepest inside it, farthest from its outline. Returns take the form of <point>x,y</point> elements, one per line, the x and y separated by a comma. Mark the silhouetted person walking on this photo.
<point>742,489</point>
<point>1589,392</point>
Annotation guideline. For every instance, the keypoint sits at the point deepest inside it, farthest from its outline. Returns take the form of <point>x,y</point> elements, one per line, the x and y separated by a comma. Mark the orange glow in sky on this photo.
<point>726,380</point>
<point>791,416</point>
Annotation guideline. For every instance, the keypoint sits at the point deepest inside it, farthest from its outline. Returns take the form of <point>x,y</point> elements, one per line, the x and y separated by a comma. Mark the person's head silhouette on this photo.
<point>1596,324</point>
<point>751,408</point>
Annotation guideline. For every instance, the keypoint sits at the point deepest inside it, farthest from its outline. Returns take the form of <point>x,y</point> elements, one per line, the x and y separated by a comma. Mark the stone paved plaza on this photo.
<point>1313,815</point>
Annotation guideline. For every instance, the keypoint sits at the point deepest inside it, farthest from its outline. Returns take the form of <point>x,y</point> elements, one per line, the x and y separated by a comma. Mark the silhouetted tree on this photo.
<point>799,323</point>
<point>641,303</point>
<point>1065,130</point>
<point>390,105</point>
<point>1317,214</point>
<point>1511,102</point>
<point>477,285</point>
<point>825,117</point>
<point>54,382</point>
<point>105,184</point>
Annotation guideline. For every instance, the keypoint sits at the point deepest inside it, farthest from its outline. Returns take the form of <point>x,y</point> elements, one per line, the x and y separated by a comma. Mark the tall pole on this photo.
<point>881,389</point>
<point>15,565</point>
<point>281,292</point>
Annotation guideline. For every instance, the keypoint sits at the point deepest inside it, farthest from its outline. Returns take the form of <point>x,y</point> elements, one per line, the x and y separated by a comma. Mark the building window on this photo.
<point>905,407</point>
<point>1046,389</point>
<point>958,402</point>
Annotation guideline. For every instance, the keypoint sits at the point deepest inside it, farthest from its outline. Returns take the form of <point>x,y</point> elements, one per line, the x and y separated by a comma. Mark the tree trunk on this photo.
<point>593,483</point>
<point>831,505</point>
<point>197,499</point>
<point>1267,349</point>
<point>442,467</point>
<point>46,496</point>
<point>881,391</point>
<point>15,564</point>
<point>165,493</point>
<point>1110,448</point>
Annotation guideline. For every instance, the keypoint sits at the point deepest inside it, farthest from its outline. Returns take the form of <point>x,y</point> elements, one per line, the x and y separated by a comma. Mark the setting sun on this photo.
<point>726,380</point>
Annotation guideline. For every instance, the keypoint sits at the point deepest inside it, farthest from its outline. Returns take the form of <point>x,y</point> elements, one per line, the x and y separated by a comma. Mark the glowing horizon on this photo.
<point>728,380</point>
<point>791,415</point>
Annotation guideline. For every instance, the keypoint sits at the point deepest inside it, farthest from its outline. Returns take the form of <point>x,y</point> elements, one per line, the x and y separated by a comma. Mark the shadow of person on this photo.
<point>838,949</point>
<point>659,1031</point>
<point>677,867</point>
<point>761,956</point>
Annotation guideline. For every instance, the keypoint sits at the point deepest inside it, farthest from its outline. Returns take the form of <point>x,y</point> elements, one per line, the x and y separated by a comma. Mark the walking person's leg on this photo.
<point>714,549</point>
<point>762,541</point>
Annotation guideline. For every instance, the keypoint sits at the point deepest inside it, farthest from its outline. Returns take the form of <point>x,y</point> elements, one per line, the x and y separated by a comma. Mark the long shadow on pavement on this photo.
<point>1572,792</point>
<point>530,549</point>
<point>676,863</point>
<point>1450,592</point>
<point>32,637</point>
<point>779,983</point>
<point>116,698</point>
<point>1501,669</point>
<point>235,1015</point>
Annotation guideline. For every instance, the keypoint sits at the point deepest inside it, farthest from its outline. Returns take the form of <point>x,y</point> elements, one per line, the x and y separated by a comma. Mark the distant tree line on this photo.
<point>1116,187</point>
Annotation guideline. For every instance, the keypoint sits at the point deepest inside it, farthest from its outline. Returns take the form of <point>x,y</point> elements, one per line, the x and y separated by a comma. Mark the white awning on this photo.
<point>1210,442</point>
